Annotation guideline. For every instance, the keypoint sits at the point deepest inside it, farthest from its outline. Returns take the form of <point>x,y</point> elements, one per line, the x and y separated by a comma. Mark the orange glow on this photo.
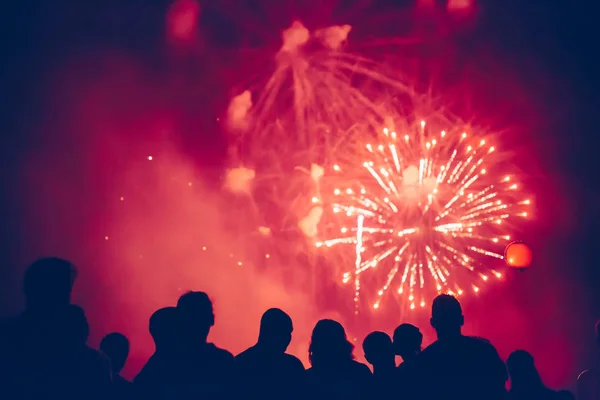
<point>518,255</point>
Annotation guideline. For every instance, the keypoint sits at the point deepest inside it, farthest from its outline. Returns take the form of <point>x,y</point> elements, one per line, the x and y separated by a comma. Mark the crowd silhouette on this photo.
<point>44,355</point>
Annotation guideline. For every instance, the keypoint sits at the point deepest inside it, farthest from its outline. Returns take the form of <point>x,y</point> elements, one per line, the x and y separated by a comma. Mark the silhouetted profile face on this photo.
<point>48,283</point>
<point>408,340</point>
<point>378,348</point>
<point>521,367</point>
<point>446,314</point>
<point>276,330</point>
<point>328,344</point>
<point>169,329</point>
<point>116,347</point>
<point>198,307</point>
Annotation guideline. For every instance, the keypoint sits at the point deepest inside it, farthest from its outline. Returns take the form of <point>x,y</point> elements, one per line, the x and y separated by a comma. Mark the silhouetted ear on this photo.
<point>462,320</point>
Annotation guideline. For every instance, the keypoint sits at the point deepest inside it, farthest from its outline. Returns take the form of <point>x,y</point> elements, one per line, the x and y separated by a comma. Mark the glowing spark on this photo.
<point>421,213</point>
<point>239,180</point>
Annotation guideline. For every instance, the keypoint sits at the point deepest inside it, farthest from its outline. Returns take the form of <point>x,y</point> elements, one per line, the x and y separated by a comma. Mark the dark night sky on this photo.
<point>557,35</point>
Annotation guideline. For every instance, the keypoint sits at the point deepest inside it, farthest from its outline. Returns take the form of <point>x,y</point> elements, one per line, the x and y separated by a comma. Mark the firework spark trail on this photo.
<point>311,101</point>
<point>432,215</point>
<point>306,112</point>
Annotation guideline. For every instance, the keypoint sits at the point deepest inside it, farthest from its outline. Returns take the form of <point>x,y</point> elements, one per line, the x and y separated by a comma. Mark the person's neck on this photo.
<point>263,345</point>
<point>409,356</point>
<point>449,334</point>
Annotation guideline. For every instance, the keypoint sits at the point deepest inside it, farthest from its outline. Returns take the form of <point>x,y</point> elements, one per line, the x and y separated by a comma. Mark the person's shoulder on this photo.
<point>429,351</point>
<point>96,358</point>
<point>293,361</point>
<point>478,340</point>
<point>221,354</point>
<point>96,364</point>
<point>479,344</point>
<point>246,359</point>
<point>360,368</point>
<point>245,354</point>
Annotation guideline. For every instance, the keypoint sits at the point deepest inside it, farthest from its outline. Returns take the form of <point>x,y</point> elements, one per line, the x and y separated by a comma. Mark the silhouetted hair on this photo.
<point>49,282</point>
<point>116,346</point>
<point>521,368</point>
<point>167,327</point>
<point>376,343</point>
<point>329,345</point>
<point>198,306</point>
<point>275,321</point>
<point>445,307</point>
<point>407,338</point>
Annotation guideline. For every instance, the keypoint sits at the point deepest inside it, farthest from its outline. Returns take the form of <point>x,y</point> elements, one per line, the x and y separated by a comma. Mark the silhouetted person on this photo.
<point>183,356</point>
<point>588,382</point>
<point>458,366</point>
<point>408,341</point>
<point>47,287</point>
<point>116,347</point>
<point>43,350</point>
<point>525,380</point>
<point>171,371</point>
<point>379,352</point>
<point>265,368</point>
<point>75,369</point>
<point>334,373</point>
<point>219,363</point>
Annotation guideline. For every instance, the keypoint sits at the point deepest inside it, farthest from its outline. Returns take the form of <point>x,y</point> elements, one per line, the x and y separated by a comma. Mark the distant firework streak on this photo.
<point>421,215</point>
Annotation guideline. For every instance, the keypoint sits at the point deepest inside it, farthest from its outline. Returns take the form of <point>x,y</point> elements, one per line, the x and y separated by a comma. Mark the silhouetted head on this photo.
<point>408,340</point>
<point>48,284</point>
<point>378,349</point>
<point>169,328</point>
<point>71,326</point>
<point>116,347</point>
<point>199,309</point>
<point>328,345</point>
<point>446,316</point>
<point>522,370</point>
<point>275,330</point>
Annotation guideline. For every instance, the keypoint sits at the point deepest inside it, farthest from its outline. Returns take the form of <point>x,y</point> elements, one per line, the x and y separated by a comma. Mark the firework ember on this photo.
<point>424,211</point>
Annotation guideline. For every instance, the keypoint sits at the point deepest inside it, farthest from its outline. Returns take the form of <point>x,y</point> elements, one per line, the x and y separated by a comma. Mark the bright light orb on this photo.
<point>518,255</point>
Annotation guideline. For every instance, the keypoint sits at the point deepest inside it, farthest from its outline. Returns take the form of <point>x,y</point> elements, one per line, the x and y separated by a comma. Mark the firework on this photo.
<point>304,112</point>
<point>307,106</point>
<point>423,211</point>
